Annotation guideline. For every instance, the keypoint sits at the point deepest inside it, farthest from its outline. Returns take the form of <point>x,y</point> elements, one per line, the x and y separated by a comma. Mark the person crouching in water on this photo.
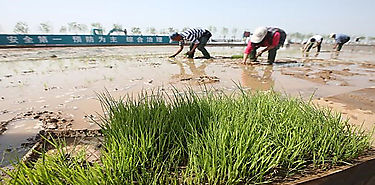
<point>271,38</point>
<point>314,42</point>
<point>198,38</point>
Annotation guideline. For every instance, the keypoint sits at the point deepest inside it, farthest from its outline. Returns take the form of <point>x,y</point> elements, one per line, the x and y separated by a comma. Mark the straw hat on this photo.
<point>332,35</point>
<point>258,35</point>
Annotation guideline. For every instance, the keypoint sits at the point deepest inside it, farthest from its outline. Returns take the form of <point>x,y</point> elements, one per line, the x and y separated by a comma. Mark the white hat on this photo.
<point>258,35</point>
<point>332,35</point>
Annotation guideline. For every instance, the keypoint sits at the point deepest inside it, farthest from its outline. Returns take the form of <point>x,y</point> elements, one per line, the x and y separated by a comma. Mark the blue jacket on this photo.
<point>341,38</point>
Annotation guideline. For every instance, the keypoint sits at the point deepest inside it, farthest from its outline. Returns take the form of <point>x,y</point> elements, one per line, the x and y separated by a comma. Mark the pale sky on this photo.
<point>354,17</point>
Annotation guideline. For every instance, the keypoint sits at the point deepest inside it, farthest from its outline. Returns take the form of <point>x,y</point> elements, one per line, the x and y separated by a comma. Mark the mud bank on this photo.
<point>23,131</point>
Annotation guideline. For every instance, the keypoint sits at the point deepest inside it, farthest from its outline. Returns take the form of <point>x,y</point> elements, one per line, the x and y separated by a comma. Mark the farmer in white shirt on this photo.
<point>313,42</point>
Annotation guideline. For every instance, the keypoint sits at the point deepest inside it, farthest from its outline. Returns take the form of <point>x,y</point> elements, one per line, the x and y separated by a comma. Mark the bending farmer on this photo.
<point>313,42</point>
<point>271,38</point>
<point>198,38</point>
<point>340,40</point>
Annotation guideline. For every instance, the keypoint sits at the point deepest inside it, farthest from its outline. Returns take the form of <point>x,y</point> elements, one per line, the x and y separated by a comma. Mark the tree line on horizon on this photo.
<point>75,27</point>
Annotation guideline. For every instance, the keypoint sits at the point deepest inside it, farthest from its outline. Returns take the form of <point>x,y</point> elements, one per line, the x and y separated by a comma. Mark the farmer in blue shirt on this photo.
<point>340,40</point>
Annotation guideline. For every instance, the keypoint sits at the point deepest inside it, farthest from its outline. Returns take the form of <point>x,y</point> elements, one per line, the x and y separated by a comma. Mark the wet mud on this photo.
<point>57,87</point>
<point>21,132</point>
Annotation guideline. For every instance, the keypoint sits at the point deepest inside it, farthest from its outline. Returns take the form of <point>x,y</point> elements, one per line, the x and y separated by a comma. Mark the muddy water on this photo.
<point>14,141</point>
<point>66,80</point>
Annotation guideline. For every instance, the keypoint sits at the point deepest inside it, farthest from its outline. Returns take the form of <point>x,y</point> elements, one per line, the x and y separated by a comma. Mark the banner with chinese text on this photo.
<point>79,40</point>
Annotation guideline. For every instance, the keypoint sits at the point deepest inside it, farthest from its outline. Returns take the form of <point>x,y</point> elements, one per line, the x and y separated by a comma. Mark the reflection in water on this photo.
<point>307,54</point>
<point>257,77</point>
<point>335,54</point>
<point>11,140</point>
<point>195,71</point>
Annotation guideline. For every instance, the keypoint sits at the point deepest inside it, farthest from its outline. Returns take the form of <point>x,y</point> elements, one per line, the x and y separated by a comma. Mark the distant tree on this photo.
<point>73,26</point>
<point>117,26</point>
<point>63,29</point>
<point>297,36</point>
<point>97,25</point>
<point>371,39</point>
<point>163,31</point>
<point>362,37</point>
<point>234,32</point>
<point>76,27</point>
<point>171,30</point>
<point>136,30</point>
<point>224,31</point>
<point>291,36</point>
<point>326,38</point>
<point>83,28</point>
<point>184,29</point>
<point>151,30</point>
<point>309,35</point>
<point>212,29</point>
<point>21,27</point>
<point>45,27</point>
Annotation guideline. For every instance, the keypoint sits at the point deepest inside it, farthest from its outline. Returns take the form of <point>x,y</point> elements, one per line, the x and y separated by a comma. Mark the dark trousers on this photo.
<point>338,48</point>
<point>202,43</point>
<point>311,45</point>
<point>341,44</point>
<point>271,54</point>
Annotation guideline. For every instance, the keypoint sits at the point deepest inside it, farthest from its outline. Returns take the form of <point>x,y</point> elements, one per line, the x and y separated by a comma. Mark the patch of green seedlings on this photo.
<point>236,56</point>
<point>190,138</point>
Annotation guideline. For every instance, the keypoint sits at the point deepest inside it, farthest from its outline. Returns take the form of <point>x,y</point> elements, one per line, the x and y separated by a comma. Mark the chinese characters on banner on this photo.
<point>80,39</point>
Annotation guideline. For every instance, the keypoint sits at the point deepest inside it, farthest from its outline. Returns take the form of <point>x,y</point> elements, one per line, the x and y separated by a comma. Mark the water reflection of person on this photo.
<point>196,71</point>
<point>182,69</point>
<point>257,77</point>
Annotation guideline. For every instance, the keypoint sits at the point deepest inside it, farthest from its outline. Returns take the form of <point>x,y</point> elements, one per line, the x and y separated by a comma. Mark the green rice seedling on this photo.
<point>190,138</point>
<point>61,167</point>
<point>236,56</point>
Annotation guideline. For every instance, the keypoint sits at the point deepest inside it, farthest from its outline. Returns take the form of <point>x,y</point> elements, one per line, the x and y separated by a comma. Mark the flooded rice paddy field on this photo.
<point>55,88</point>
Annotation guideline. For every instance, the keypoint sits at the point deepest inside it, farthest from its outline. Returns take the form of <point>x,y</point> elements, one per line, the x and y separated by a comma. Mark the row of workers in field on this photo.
<point>269,38</point>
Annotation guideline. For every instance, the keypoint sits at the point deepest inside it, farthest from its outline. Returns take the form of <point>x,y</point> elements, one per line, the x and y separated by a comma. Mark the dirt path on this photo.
<point>357,106</point>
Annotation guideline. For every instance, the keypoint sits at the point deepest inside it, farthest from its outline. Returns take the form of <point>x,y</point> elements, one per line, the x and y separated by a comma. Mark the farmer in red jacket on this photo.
<point>271,38</point>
